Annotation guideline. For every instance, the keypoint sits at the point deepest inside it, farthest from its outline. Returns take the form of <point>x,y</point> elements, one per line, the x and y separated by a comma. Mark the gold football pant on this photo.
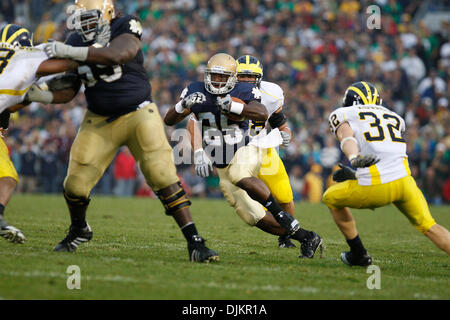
<point>97,142</point>
<point>6,166</point>
<point>274,175</point>
<point>403,193</point>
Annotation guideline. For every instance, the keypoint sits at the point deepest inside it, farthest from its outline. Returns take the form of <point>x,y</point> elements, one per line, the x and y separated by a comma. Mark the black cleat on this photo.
<point>309,246</point>
<point>198,252</point>
<point>285,242</point>
<point>11,233</point>
<point>351,259</point>
<point>75,237</point>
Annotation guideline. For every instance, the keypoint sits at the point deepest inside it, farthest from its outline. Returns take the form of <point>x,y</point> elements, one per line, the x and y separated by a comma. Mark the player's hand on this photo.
<point>286,138</point>
<point>3,132</point>
<point>344,173</point>
<point>193,98</point>
<point>224,103</point>
<point>38,94</point>
<point>362,161</point>
<point>103,35</point>
<point>203,165</point>
<point>56,49</point>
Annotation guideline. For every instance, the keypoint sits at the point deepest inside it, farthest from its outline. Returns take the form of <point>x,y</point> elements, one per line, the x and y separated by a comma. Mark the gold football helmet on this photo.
<point>89,15</point>
<point>220,74</point>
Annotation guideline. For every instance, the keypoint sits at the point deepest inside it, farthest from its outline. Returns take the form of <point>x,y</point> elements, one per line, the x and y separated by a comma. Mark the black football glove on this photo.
<point>362,161</point>
<point>343,174</point>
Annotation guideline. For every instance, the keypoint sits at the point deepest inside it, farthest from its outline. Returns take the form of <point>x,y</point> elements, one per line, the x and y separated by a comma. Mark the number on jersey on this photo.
<point>379,135</point>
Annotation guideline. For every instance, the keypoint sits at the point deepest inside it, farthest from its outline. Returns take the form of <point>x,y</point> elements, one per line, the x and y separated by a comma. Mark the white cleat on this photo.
<point>12,234</point>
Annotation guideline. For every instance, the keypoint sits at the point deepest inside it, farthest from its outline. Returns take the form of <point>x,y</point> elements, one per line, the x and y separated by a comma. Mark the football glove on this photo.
<point>344,173</point>
<point>193,98</point>
<point>203,165</point>
<point>56,49</point>
<point>224,103</point>
<point>362,161</point>
<point>286,138</point>
<point>103,35</point>
<point>37,93</point>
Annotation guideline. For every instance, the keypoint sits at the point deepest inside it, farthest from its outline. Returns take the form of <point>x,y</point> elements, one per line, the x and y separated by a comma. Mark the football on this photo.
<point>233,116</point>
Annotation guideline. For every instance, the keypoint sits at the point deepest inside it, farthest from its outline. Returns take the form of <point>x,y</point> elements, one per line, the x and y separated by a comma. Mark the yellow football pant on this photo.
<point>274,175</point>
<point>403,193</point>
<point>6,166</point>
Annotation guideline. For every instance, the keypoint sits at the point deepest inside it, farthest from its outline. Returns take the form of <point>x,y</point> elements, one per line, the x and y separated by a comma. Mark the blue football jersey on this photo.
<point>221,136</point>
<point>119,89</point>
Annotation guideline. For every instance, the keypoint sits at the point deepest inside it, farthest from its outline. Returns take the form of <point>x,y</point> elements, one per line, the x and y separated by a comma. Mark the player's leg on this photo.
<point>242,172</point>
<point>274,175</point>
<point>414,206</point>
<point>92,151</point>
<point>339,198</point>
<point>8,182</point>
<point>152,151</point>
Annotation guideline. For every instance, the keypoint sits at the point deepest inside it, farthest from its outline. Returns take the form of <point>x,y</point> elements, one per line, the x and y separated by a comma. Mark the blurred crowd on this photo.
<point>313,49</point>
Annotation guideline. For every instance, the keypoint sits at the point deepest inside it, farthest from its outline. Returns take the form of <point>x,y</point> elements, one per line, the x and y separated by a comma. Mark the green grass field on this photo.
<point>138,253</point>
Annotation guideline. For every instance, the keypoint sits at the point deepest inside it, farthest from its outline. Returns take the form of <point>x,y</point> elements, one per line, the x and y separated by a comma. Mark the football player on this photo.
<point>225,134</point>
<point>371,138</point>
<point>120,112</point>
<point>272,170</point>
<point>20,66</point>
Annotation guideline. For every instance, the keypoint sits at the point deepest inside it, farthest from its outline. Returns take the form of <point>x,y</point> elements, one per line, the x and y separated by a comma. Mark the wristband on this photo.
<point>346,139</point>
<point>351,157</point>
<point>179,107</point>
<point>236,107</point>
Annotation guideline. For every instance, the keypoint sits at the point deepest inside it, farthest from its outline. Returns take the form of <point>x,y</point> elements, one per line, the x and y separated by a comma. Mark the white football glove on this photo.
<point>56,49</point>
<point>224,103</point>
<point>203,165</point>
<point>193,98</point>
<point>103,36</point>
<point>39,94</point>
<point>286,138</point>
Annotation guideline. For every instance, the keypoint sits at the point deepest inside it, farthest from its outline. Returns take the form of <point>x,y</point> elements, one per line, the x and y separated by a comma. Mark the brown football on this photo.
<point>233,116</point>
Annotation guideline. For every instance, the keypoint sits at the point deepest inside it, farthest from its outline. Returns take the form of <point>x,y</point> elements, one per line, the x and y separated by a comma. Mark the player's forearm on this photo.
<point>172,117</point>
<point>194,131</point>
<point>121,50</point>
<point>53,66</point>
<point>348,143</point>
<point>255,111</point>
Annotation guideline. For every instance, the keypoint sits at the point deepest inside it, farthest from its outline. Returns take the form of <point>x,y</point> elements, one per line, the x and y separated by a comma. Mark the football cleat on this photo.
<point>351,259</point>
<point>198,252</point>
<point>75,237</point>
<point>285,242</point>
<point>12,234</point>
<point>309,246</point>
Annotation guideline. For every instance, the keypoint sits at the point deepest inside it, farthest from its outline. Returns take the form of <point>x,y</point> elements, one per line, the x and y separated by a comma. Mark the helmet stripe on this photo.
<point>359,92</point>
<point>15,35</point>
<point>369,92</point>
<point>375,95</point>
<point>5,32</point>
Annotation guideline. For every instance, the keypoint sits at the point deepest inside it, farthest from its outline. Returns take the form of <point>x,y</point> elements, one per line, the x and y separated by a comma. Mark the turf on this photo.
<point>138,253</point>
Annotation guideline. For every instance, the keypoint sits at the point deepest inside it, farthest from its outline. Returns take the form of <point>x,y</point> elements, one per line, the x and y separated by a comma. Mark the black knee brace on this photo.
<point>74,201</point>
<point>174,201</point>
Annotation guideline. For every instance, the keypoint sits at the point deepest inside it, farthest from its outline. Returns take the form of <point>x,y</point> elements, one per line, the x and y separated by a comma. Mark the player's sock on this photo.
<point>356,246</point>
<point>302,235</point>
<point>272,206</point>
<point>3,222</point>
<point>189,230</point>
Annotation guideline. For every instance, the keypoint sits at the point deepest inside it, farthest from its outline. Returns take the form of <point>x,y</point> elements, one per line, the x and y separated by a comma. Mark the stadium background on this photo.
<point>313,49</point>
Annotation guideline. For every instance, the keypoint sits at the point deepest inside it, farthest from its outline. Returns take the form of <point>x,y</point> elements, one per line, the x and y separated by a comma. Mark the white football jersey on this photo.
<point>18,66</point>
<point>378,131</point>
<point>272,98</point>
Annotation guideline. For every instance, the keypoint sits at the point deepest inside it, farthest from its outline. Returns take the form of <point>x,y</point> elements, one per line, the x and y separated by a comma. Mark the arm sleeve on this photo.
<point>336,119</point>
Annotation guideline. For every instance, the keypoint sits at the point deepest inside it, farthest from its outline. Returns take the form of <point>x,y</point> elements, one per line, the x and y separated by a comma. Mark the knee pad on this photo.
<point>73,201</point>
<point>173,201</point>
